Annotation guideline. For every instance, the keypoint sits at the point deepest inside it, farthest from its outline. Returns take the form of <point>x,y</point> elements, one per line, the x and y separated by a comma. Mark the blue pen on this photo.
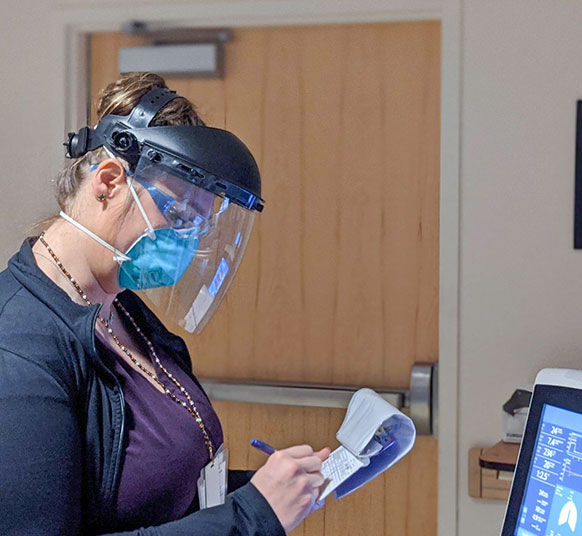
<point>262,446</point>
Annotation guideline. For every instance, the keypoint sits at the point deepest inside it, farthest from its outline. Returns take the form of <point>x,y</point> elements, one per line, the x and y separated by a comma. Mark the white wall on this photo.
<point>520,291</point>
<point>29,135</point>
<point>521,280</point>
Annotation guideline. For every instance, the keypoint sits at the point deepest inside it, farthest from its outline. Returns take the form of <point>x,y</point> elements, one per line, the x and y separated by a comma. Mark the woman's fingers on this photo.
<point>310,464</point>
<point>315,479</point>
<point>299,451</point>
<point>291,482</point>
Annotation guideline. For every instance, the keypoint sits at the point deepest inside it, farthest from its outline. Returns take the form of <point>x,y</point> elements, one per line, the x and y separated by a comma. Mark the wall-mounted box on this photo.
<point>175,60</point>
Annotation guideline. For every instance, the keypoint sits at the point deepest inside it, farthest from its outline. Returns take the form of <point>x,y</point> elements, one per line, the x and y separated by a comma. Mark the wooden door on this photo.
<point>340,280</point>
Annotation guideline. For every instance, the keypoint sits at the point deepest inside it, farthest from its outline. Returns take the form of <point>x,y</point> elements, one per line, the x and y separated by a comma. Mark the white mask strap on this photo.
<point>150,229</point>
<point>117,257</point>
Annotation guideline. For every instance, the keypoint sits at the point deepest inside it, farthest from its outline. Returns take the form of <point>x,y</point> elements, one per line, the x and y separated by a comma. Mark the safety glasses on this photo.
<point>193,211</point>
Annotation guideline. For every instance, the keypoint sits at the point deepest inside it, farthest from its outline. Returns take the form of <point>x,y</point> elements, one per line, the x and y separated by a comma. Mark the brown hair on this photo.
<point>119,98</point>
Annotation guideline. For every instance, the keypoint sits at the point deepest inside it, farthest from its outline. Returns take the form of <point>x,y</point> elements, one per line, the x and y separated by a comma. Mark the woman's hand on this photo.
<point>290,482</point>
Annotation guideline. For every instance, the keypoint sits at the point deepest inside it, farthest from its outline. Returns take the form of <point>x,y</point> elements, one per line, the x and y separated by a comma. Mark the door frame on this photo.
<point>74,19</point>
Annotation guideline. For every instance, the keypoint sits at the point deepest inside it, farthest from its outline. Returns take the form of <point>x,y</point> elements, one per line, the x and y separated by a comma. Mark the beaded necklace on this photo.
<point>190,406</point>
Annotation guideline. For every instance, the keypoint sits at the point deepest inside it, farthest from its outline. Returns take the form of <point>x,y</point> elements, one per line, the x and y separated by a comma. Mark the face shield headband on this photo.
<point>213,159</point>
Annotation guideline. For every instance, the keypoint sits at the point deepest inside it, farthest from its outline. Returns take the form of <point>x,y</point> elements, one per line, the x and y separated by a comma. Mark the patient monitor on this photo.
<point>546,494</point>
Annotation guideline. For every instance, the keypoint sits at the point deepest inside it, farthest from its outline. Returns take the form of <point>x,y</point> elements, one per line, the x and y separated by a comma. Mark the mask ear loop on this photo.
<point>117,257</point>
<point>150,228</point>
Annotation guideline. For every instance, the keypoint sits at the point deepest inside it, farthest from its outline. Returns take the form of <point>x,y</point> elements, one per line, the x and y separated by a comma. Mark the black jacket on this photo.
<point>62,435</point>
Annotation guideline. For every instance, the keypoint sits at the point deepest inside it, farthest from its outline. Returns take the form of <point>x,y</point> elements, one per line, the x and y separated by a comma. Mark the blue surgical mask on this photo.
<point>157,258</point>
<point>159,262</point>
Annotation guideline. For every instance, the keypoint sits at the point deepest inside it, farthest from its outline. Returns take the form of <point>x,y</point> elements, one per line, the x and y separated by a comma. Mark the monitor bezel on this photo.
<point>567,398</point>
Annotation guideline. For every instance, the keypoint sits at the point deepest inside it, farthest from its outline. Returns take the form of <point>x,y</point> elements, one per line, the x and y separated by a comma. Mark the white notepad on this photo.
<point>374,436</point>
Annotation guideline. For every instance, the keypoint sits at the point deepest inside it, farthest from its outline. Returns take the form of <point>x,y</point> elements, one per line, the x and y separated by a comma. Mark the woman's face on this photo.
<point>117,219</point>
<point>165,200</point>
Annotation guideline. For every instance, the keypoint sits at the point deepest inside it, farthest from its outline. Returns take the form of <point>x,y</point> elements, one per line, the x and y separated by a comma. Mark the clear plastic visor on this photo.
<point>183,204</point>
<point>218,232</point>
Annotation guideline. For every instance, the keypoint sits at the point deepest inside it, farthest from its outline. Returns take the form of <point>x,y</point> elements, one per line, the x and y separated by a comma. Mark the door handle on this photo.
<point>420,401</point>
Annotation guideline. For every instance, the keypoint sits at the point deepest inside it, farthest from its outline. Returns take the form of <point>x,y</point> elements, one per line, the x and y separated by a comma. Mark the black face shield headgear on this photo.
<point>205,183</point>
<point>211,158</point>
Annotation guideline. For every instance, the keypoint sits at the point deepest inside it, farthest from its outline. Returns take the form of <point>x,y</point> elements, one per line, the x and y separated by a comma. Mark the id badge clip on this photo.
<point>213,480</point>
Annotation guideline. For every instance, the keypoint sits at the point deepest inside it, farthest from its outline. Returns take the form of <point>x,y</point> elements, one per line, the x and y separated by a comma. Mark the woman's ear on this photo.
<point>108,179</point>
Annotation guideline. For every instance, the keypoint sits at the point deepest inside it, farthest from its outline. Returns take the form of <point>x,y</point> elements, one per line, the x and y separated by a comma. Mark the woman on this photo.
<point>104,428</point>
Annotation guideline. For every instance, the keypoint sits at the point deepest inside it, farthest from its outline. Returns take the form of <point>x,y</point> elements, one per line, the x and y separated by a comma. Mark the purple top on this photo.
<point>165,447</point>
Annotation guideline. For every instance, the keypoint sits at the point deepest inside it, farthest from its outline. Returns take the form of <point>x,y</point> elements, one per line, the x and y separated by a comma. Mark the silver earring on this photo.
<point>101,198</point>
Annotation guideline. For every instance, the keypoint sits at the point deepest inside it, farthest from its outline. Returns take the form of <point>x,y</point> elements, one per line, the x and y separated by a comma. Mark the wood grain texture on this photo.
<point>340,279</point>
<point>485,483</point>
<point>400,502</point>
<point>474,473</point>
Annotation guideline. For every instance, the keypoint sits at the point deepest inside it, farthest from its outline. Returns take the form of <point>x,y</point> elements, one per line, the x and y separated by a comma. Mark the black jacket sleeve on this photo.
<point>237,479</point>
<point>40,451</point>
<point>41,467</point>
<point>246,512</point>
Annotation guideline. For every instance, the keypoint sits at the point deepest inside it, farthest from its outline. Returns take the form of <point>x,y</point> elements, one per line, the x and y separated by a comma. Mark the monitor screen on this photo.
<point>552,499</point>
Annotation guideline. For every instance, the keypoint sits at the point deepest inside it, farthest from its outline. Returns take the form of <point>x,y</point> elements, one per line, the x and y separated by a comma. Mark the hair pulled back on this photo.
<point>119,98</point>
